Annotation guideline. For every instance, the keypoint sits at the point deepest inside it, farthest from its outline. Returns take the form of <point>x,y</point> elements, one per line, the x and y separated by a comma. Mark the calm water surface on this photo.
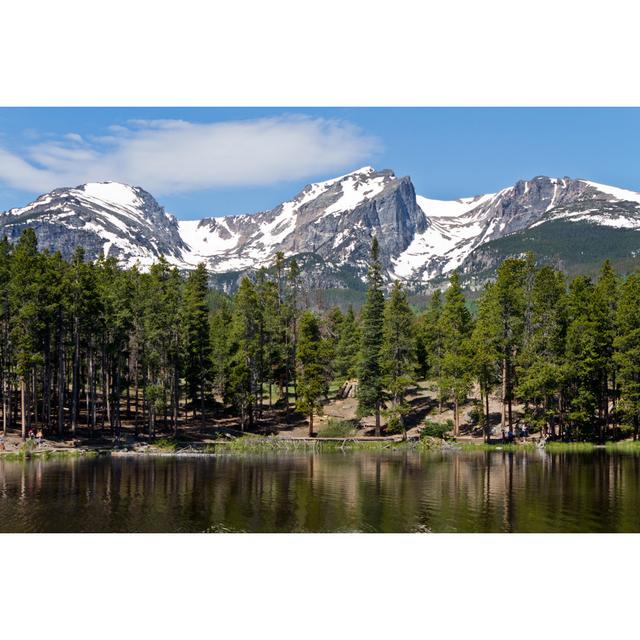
<point>396,492</point>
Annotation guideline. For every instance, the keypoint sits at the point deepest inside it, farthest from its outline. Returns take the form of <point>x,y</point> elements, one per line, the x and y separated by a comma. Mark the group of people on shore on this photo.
<point>38,436</point>
<point>508,436</point>
<point>32,436</point>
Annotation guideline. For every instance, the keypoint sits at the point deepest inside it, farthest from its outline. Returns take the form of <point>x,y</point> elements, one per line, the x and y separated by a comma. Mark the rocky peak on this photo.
<point>334,219</point>
<point>106,218</point>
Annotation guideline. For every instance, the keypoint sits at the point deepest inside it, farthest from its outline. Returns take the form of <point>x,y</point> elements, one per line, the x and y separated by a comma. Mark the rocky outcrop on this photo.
<point>334,220</point>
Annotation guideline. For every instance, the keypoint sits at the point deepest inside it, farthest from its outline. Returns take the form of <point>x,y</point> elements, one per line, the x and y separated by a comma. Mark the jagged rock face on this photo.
<point>535,201</point>
<point>335,220</point>
<point>106,218</point>
<point>344,235</point>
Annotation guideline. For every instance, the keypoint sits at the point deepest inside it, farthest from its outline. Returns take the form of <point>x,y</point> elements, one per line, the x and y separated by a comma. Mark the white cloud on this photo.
<point>170,156</point>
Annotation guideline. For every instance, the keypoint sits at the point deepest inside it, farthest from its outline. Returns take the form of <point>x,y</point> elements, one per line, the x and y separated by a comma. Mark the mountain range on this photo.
<point>328,226</point>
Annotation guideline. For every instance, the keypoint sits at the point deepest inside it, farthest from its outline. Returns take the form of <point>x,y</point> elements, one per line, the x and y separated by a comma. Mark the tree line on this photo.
<point>87,344</point>
<point>567,352</point>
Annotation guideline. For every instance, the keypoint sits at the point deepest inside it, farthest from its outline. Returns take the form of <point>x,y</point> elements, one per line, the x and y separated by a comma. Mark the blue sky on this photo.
<point>209,162</point>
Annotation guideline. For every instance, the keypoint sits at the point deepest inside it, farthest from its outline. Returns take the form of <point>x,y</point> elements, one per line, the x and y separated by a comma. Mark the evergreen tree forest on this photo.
<point>88,348</point>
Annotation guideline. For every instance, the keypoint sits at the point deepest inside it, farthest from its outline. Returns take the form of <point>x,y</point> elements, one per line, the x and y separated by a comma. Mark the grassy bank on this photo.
<point>266,444</point>
<point>261,444</point>
<point>46,454</point>
<point>624,446</point>
<point>483,446</point>
<point>557,447</point>
<point>570,447</point>
<point>254,444</point>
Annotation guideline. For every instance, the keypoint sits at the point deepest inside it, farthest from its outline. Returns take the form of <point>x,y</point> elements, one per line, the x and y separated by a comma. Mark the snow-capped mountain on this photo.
<point>106,218</point>
<point>329,226</point>
<point>420,238</point>
<point>334,219</point>
<point>457,228</point>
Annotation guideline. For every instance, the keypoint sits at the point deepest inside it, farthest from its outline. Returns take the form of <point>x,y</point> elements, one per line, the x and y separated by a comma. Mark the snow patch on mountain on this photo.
<point>114,192</point>
<point>204,240</point>
<point>356,189</point>
<point>617,193</point>
<point>450,208</point>
<point>593,216</point>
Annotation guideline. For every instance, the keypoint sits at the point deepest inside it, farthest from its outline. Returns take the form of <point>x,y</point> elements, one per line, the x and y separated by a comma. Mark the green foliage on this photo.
<point>430,340</point>
<point>25,293</point>
<point>219,340</point>
<point>476,414</point>
<point>154,396</point>
<point>569,447</point>
<point>370,389</point>
<point>76,336</point>
<point>165,444</point>
<point>398,354</point>
<point>627,349</point>
<point>244,353</point>
<point>27,447</point>
<point>626,446</point>
<point>348,347</point>
<point>456,365</point>
<point>337,429</point>
<point>485,351</point>
<point>312,357</point>
<point>434,429</point>
<point>579,247</point>
<point>197,335</point>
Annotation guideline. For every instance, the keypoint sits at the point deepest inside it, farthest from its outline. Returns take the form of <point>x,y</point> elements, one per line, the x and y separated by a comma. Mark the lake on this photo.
<point>401,491</point>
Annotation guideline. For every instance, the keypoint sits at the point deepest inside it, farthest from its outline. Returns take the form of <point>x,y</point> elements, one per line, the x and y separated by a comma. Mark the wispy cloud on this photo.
<point>172,156</point>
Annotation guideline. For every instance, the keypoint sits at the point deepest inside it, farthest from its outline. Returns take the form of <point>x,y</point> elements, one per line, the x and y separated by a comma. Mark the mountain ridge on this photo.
<point>421,239</point>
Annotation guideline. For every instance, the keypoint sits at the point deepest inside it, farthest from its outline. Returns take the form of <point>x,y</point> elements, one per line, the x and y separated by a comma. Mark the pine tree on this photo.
<point>509,293</point>
<point>175,368</point>
<point>331,328</point>
<point>116,301</point>
<point>220,323</point>
<point>6,355</point>
<point>291,313</point>
<point>485,348</point>
<point>83,310</point>
<point>24,298</point>
<point>243,353</point>
<point>139,286</point>
<point>430,341</point>
<point>540,364</point>
<point>280,359</point>
<point>370,387</point>
<point>398,354</point>
<point>627,350</point>
<point>162,343</point>
<point>607,291</point>
<point>456,326</point>
<point>197,346</point>
<point>348,347</point>
<point>583,357</point>
<point>311,356</point>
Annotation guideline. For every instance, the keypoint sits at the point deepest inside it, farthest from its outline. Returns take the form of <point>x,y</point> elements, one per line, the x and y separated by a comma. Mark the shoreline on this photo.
<point>262,444</point>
